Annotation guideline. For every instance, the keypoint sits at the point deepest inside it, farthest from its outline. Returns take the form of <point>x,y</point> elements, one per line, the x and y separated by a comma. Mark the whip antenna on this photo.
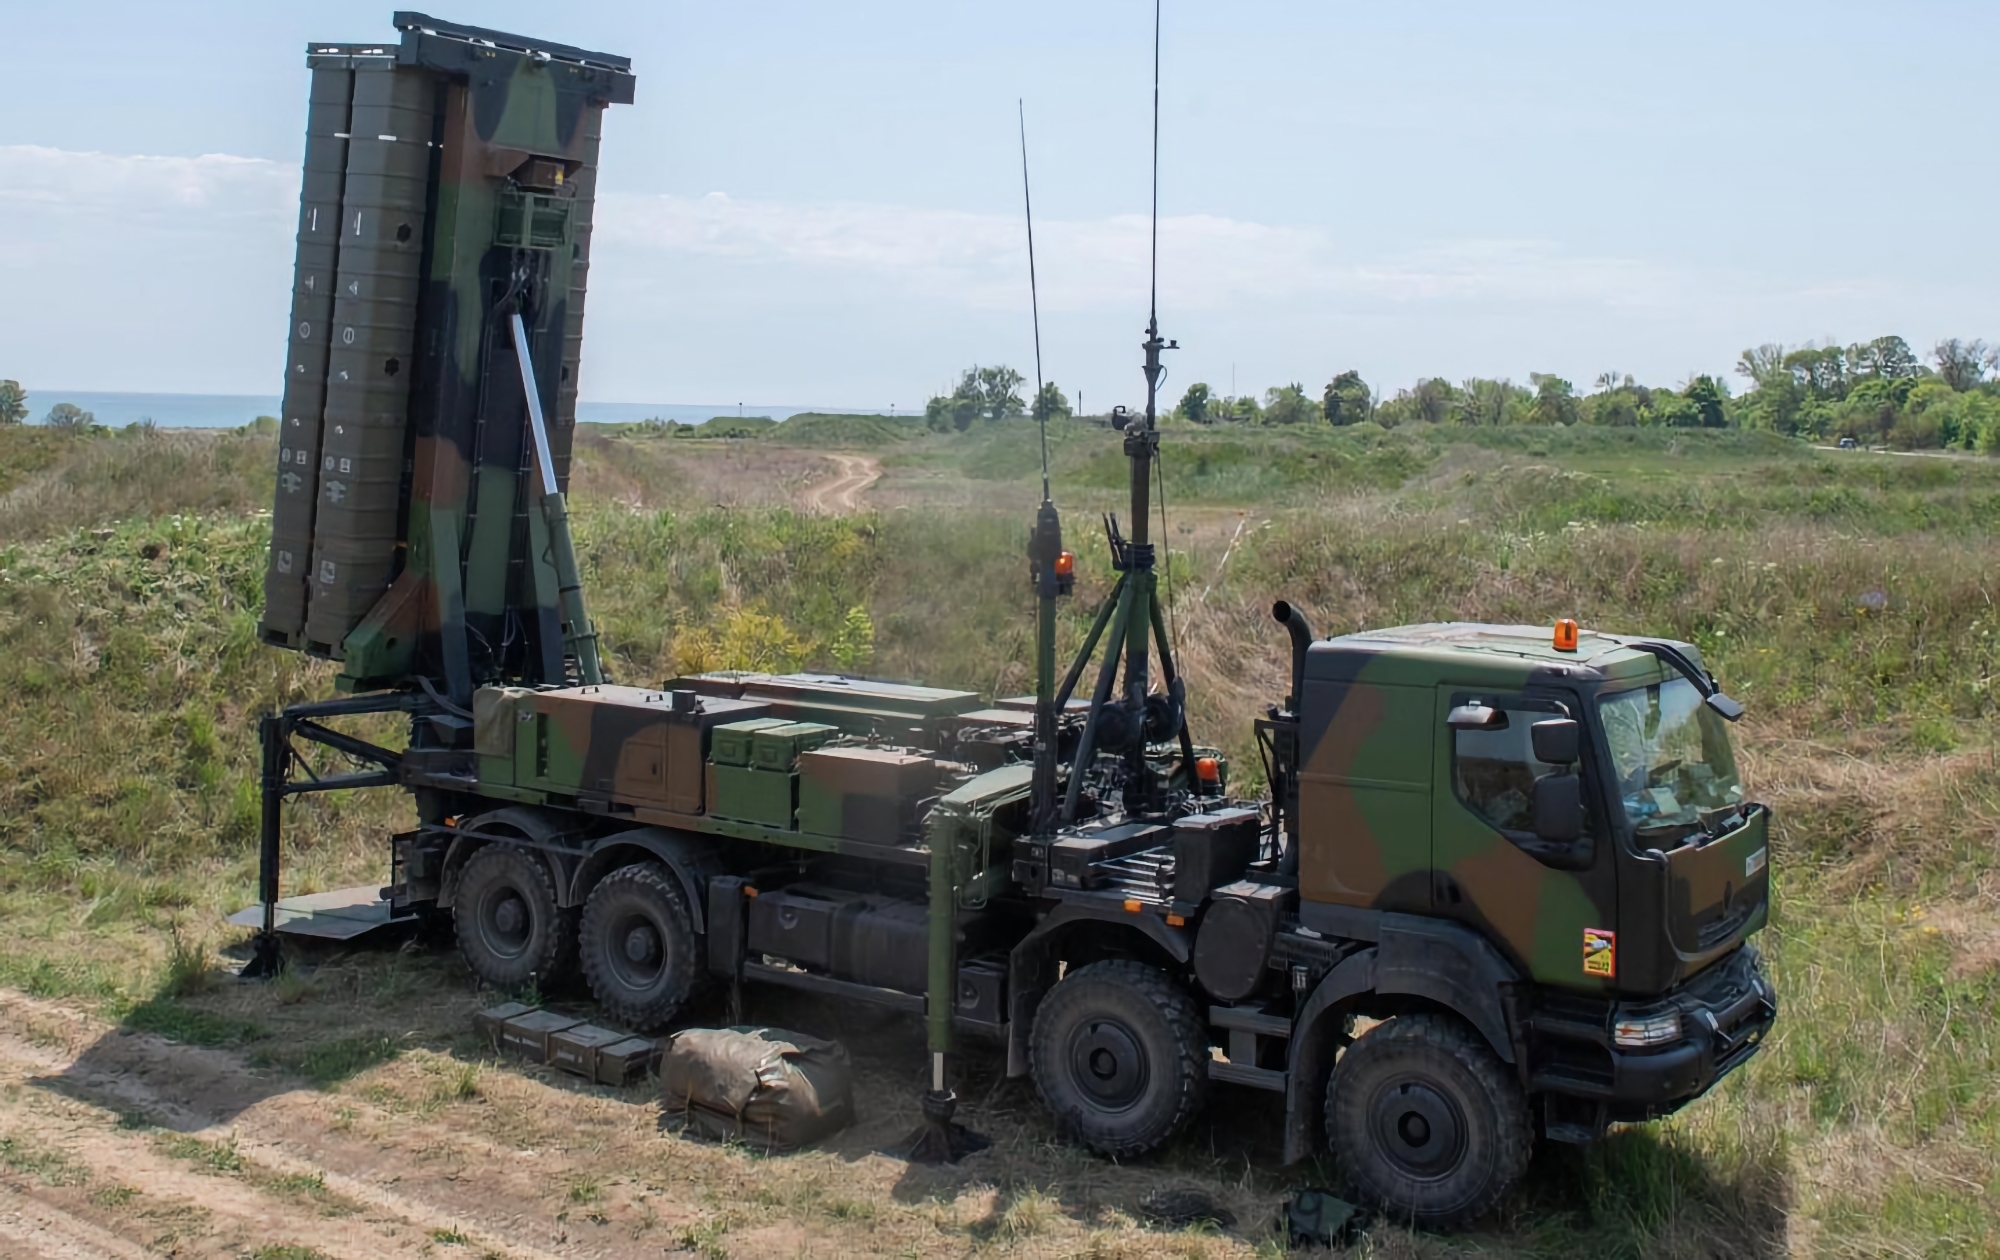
<point>1153,306</point>
<point>1034,298</point>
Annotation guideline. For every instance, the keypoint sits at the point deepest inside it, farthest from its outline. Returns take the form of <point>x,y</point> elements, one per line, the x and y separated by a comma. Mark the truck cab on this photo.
<point>1543,834</point>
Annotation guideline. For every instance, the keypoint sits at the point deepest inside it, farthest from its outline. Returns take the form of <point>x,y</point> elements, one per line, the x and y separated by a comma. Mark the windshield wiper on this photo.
<point>1703,681</point>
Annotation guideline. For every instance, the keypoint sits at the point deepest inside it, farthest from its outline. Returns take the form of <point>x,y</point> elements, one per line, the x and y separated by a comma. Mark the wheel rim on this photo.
<point>1419,1129</point>
<point>1108,1064</point>
<point>635,949</point>
<point>506,922</point>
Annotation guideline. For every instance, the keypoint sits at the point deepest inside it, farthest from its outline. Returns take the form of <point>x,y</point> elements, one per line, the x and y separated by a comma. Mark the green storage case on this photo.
<point>757,796</point>
<point>778,747</point>
<point>730,743</point>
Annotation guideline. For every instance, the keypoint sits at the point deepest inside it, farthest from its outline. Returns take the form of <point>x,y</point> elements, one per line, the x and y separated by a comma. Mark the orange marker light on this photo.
<point>1566,633</point>
<point>749,891</point>
<point>1132,905</point>
<point>1065,564</point>
<point>1208,770</point>
<point>1175,920</point>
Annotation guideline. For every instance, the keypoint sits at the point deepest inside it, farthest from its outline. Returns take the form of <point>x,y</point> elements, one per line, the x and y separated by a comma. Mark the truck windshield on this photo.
<point>1671,758</point>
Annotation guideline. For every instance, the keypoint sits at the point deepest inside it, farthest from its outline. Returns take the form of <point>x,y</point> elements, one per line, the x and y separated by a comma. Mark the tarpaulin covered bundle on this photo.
<point>777,1090</point>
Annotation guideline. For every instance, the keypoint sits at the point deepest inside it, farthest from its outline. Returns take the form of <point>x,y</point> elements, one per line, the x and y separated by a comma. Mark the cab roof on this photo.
<point>1529,648</point>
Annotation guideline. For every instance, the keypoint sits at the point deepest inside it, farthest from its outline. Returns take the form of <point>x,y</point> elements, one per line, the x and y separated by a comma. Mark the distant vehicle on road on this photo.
<point>1849,444</point>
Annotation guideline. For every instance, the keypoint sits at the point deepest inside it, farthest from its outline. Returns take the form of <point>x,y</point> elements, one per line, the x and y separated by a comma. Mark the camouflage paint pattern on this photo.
<point>467,190</point>
<point>1383,828</point>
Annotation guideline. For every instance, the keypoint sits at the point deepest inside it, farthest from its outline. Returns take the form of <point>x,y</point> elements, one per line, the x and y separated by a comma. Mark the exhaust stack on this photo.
<point>1302,637</point>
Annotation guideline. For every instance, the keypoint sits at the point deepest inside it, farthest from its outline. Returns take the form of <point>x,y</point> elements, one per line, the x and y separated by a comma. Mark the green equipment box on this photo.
<point>778,747</point>
<point>869,794</point>
<point>730,744</point>
<point>748,794</point>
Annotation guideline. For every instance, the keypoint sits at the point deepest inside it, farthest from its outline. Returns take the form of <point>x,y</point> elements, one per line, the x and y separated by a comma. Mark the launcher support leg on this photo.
<point>938,1140</point>
<point>268,958</point>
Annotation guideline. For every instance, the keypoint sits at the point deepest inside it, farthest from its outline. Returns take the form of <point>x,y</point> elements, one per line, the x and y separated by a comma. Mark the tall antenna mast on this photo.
<point>1034,297</point>
<point>1153,301</point>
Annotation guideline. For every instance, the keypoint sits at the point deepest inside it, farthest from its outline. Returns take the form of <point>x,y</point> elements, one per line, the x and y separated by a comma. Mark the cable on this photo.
<point>1167,550</point>
<point>1034,297</point>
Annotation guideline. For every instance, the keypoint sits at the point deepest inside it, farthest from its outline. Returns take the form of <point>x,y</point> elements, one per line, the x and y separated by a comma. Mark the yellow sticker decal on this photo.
<point>1600,953</point>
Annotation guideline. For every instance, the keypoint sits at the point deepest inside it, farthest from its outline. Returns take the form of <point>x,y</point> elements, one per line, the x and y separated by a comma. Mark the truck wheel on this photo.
<point>1120,1057</point>
<point>1426,1122</point>
<point>509,927</point>
<point>639,947</point>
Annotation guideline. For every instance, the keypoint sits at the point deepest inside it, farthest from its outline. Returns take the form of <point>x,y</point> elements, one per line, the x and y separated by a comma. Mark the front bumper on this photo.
<point>1725,1013</point>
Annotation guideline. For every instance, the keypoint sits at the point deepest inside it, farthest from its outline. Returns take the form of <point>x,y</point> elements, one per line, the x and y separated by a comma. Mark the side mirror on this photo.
<point>1728,709</point>
<point>1558,807</point>
<point>1555,741</point>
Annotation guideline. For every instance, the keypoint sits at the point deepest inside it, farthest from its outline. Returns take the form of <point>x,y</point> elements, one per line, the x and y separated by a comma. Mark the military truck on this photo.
<point>1499,883</point>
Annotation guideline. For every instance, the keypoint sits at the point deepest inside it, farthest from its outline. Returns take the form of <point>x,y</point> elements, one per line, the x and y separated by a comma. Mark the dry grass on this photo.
<point>1847,602</point>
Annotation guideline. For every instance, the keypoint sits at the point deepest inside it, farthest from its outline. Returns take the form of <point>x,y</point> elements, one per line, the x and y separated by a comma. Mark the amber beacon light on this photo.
<point>1566,632</point>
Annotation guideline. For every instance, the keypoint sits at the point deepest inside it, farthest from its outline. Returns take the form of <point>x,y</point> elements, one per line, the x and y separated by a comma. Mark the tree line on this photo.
<point>1876,391</point>
<point>68,416</point>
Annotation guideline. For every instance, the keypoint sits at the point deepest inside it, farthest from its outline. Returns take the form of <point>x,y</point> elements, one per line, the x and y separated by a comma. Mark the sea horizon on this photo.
<point>115,409</point>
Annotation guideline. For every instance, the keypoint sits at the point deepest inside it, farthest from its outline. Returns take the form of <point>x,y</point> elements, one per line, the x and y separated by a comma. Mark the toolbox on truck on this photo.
<point>778,747</point>
<point>747,794</point>
<point>869,794</point>
<point>1214,849</point>
<point>730,744</point>
<point>1071,859</point>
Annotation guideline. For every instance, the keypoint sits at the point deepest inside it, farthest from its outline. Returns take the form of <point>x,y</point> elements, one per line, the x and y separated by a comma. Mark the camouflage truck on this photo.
<point>1500,883</point>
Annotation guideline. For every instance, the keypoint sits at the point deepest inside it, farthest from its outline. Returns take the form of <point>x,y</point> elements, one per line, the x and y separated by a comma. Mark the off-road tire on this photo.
<point>1428,1125</point>
<point>498,952</point>
<point>640,907</point>
<point>1120,1057</point>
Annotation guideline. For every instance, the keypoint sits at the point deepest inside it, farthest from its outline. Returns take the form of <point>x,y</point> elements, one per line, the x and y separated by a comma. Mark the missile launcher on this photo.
<point>448,189</point>
<point>1525,862</point>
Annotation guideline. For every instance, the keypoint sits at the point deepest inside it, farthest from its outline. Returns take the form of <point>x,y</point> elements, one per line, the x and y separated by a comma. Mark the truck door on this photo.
<point>1550,907</point>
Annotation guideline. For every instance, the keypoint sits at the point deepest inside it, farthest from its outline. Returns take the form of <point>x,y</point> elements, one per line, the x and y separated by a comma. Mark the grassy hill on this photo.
<point>1847,598</point>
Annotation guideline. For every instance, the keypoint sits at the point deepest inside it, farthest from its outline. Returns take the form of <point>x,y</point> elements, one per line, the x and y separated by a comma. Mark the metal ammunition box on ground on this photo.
<point>778,747</point>
<point>869,794</point>
<point>529,1034</point>
<point>604,1055</point>
<point>731,743</point>
<point>576,1049</point>
<point>487,1023</point>
<point>626,1061</point>
<point>747,794</point>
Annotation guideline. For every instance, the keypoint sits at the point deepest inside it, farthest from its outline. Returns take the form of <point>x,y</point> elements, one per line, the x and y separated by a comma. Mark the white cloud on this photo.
<point>1206,262</point>
<point>59,179</point>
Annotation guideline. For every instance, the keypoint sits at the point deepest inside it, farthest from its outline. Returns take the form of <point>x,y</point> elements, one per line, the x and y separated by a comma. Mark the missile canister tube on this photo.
<point>287,578</point>
<point>363,449</point>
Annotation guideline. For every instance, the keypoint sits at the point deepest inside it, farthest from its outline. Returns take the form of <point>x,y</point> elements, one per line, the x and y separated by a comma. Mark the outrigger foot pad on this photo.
<point>939,1140</point>
<point>267,957</point>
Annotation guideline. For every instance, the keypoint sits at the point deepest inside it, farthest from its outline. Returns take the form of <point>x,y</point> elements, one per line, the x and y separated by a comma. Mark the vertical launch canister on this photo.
<point>449,186</point>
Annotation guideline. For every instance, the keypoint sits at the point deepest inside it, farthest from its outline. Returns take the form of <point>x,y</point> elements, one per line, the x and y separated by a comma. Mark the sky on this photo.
<point>821,204</point>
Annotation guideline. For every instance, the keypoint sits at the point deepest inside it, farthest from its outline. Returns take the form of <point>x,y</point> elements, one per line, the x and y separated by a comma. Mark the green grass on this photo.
<point>328,1063</point>
<point>1847,599</point>
<point>51,1168</point>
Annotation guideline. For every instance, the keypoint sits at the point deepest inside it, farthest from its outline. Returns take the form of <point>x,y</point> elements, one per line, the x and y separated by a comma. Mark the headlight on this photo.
<point>1656,1029</point>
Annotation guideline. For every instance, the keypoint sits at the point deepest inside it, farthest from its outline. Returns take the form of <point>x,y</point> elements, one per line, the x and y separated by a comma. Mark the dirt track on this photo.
<point>117,1144</point>
<point>841,494</point>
